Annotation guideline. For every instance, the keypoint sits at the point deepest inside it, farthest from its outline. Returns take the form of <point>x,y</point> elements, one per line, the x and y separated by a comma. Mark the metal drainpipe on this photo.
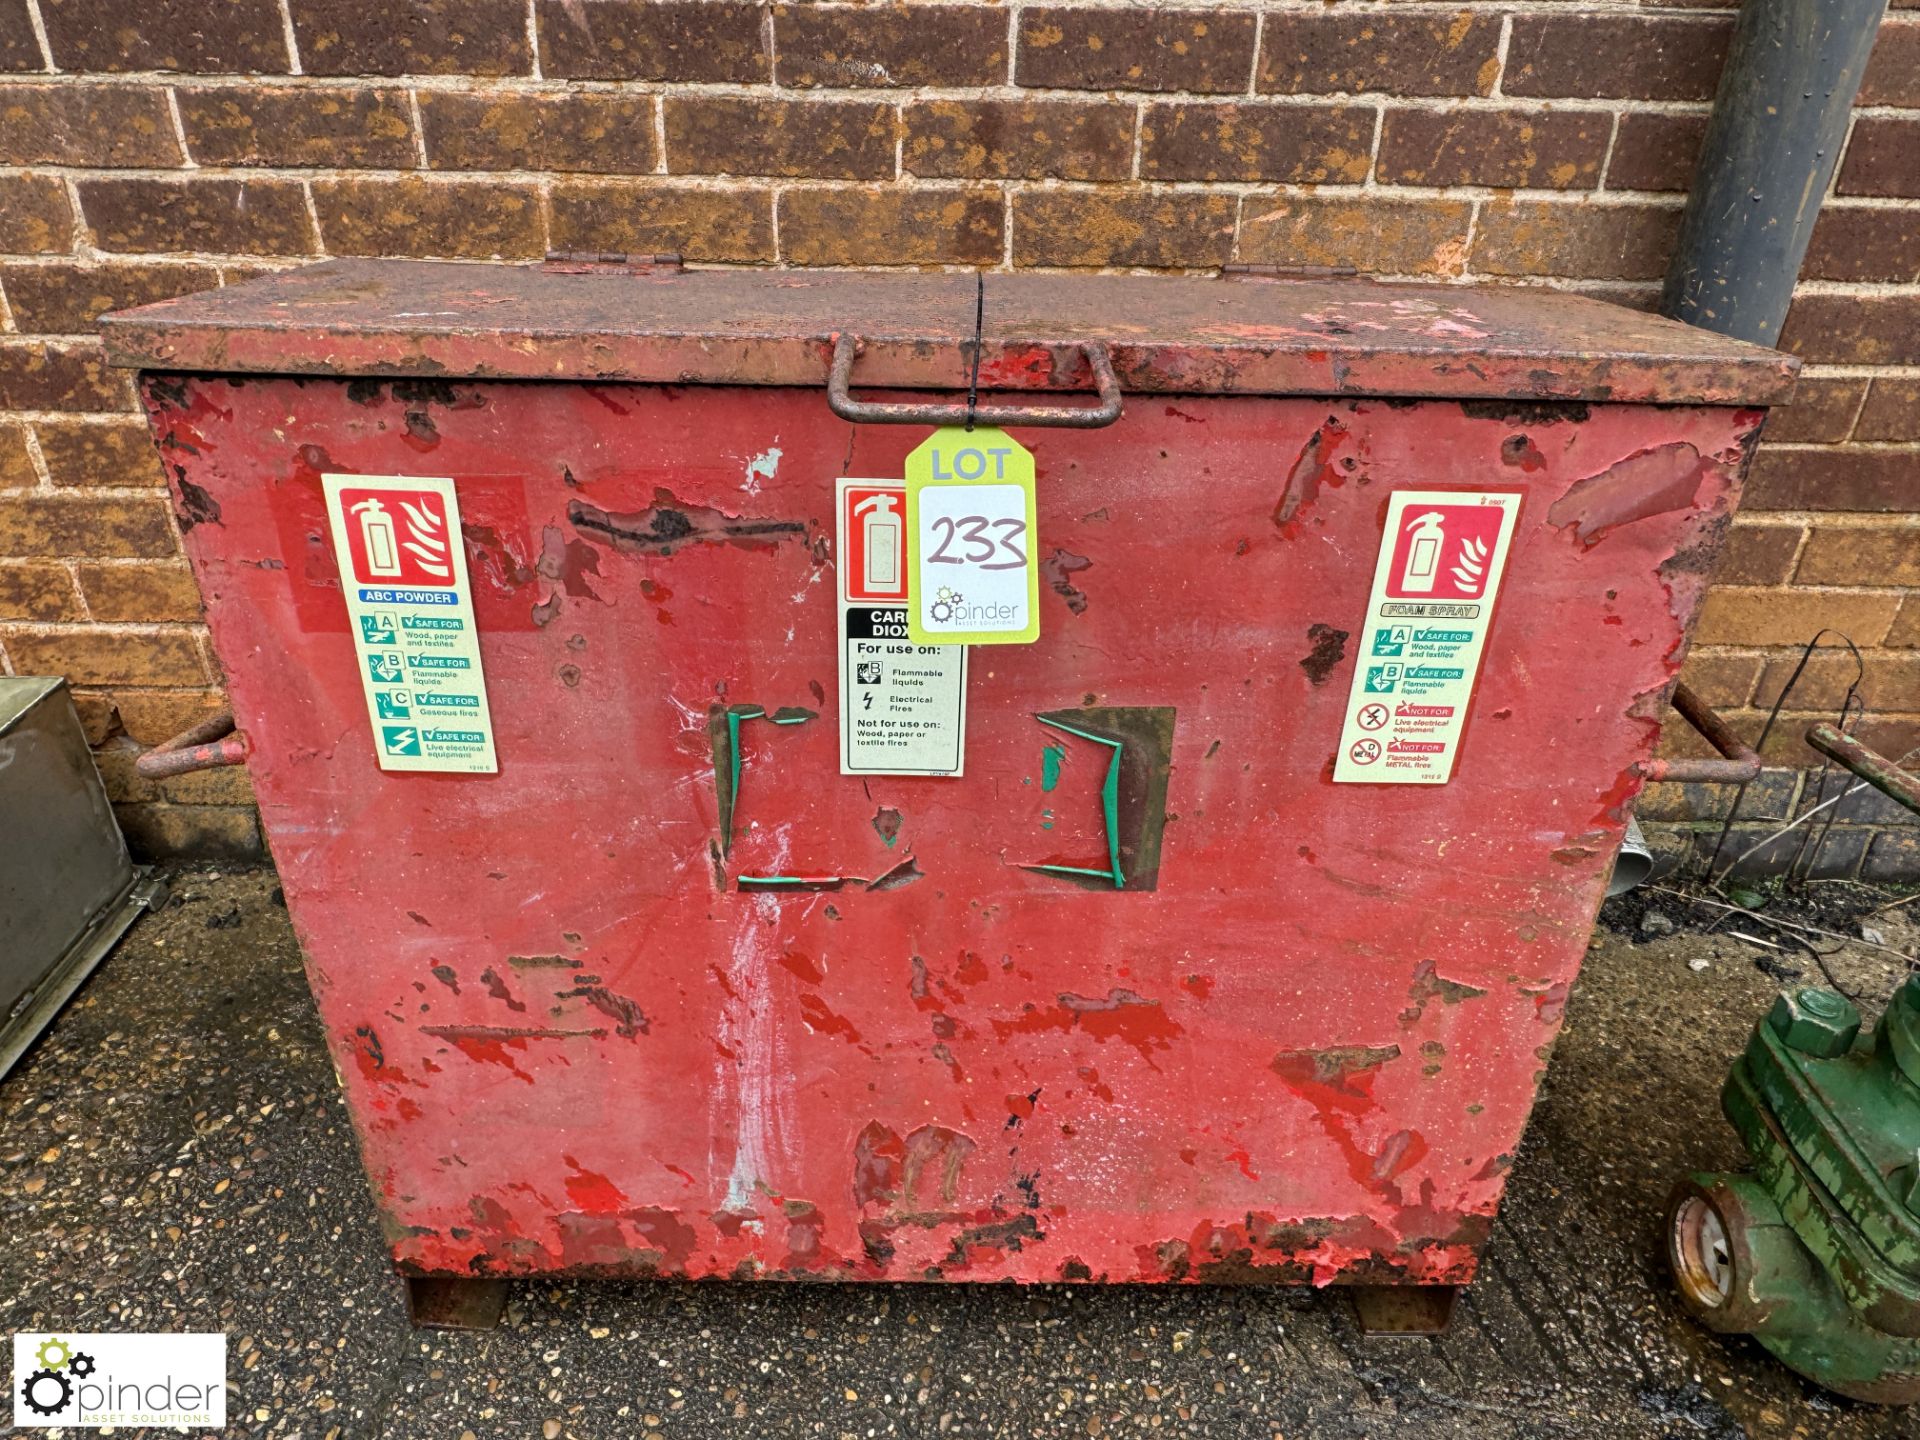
<point>1779,121</point>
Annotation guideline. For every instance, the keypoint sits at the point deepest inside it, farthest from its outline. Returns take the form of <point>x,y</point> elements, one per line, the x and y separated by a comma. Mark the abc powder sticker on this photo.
<point>403,571</point>
<point>1434,584</point>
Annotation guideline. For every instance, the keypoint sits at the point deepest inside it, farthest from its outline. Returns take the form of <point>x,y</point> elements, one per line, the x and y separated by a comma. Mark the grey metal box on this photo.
<point>67,887</point>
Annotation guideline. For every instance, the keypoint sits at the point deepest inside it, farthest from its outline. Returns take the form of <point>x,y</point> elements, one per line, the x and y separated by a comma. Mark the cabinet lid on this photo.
<point>1231,334</point>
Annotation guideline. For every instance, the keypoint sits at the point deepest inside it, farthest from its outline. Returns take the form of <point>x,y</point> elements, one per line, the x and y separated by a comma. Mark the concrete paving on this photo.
<point>175,1155</point>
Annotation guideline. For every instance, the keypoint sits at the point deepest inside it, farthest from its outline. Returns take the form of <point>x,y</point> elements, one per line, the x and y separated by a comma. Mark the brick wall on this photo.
<point>149,147</point>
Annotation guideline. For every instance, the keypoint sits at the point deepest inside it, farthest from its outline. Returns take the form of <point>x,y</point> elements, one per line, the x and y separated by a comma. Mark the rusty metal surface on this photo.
<point>1871,766</point>
<point>1404,1309</point>
<point>1739,763</point>
<point>206,746</point>
<point>1167,335</point>
<point>572,1038</point>
<point>895,412</point>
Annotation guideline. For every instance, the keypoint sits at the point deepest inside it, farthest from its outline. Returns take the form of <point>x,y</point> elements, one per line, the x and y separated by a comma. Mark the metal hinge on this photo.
<point>1287,272</point>
<point>607,262</point>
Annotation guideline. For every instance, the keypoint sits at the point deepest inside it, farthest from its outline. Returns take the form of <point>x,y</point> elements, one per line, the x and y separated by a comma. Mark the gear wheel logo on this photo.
<point>54,1353</point>
<point>82,1364</point>
<point>38,1384</point>
<point>944,604</point>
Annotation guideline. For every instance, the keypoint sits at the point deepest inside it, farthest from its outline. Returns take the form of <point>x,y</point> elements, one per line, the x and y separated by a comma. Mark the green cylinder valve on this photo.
<point>1815,1250</point>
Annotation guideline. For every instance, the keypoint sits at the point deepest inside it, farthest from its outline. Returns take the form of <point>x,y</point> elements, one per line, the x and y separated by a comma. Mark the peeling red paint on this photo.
<point>1650,482</point>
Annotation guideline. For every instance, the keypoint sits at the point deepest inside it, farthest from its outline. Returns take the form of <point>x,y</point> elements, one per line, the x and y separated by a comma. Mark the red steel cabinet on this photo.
<point>1299,1043</point>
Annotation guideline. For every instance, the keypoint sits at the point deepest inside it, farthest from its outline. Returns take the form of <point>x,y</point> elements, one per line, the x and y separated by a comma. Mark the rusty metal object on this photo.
<point>436,1302</point>
<point>1871,766</point>
<point>212,743</point>
<point>608,262</point>
<point>896,412</point>
<point>669,996</point>
<point>1740,764</point>
<point>1240,271</point>
<point>1387,1310</point>
<point>1166,334</point>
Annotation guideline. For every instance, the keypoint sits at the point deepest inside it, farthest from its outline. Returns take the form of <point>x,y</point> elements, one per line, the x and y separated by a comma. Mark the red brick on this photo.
<point>69,523</point>
<point>452,220</point>
<point>1891,682</point>
<point>1401,52</point>
<point>885,46</point>
<point>36,590</point>
<point>412,37</point>
<point>495,130</point>
<point>1723,681</point>
<point>1375,236</point>
<point>1854,244</point>
<point>712,223</point>
<point>1883,157</point>
<point>99,452</point>
<point>1758,555</point>
<point>1655,151</point>
<point>202,37</point>
<point>1821,412</point>
<point>140,591</point>
<point>1833,477</point>
<point>1019,139</point>
<point>1854,329</point>
<point>103,126</point>
<point>35,218</point>
<point>1602,242</point>
<point>1122,227</point>
<point>320,125</point>
<point>1893,74</point>
<point>661,40</point>
<point>1301,144</point>
<point>1535,149</point>
<point>1906,626</point>
<point>201,215</point>
<point>1737,616</point>
<point>1616,57</point>
<point>1206,51</point>
<point>67,299</point>
<point>1859,556</point>
<point>60,375</point>
<point>16,465</point>
<point>885,225</point>
<point>1892,411</point>
<point>19,50</point>
<point>145,716</point>
<point>108,657</point>
<point>814,139</point>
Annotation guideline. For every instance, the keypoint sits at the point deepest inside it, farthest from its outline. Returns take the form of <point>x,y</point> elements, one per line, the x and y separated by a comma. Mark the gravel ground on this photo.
<point>174,1155</point>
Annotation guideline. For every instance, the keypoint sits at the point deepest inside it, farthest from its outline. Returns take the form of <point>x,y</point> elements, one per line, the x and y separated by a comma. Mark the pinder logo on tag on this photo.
<point>1444,552</point>
<point>398,537</point>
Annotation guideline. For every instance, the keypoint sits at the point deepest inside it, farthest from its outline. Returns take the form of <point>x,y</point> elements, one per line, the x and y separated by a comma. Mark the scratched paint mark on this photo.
<point>1428,986</point>
<point>824,1021</point>
<point>591,1190</point>
<point>670,525</point>
<point>1338,1083</point>
<point>763,466</point>
<point>1329,649</point>
<point>1329,457</point>
<point>750,1099</point>
<point>1052,757</point>
<point>497,988</point>
<point>1056,568</point>
<point>886,824</point>
<point>1119,1015</point>
<point>1648,483</point>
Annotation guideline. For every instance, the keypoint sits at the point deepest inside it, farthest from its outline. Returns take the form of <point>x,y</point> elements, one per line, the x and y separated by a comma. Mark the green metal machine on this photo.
<point>1815,1252</point>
